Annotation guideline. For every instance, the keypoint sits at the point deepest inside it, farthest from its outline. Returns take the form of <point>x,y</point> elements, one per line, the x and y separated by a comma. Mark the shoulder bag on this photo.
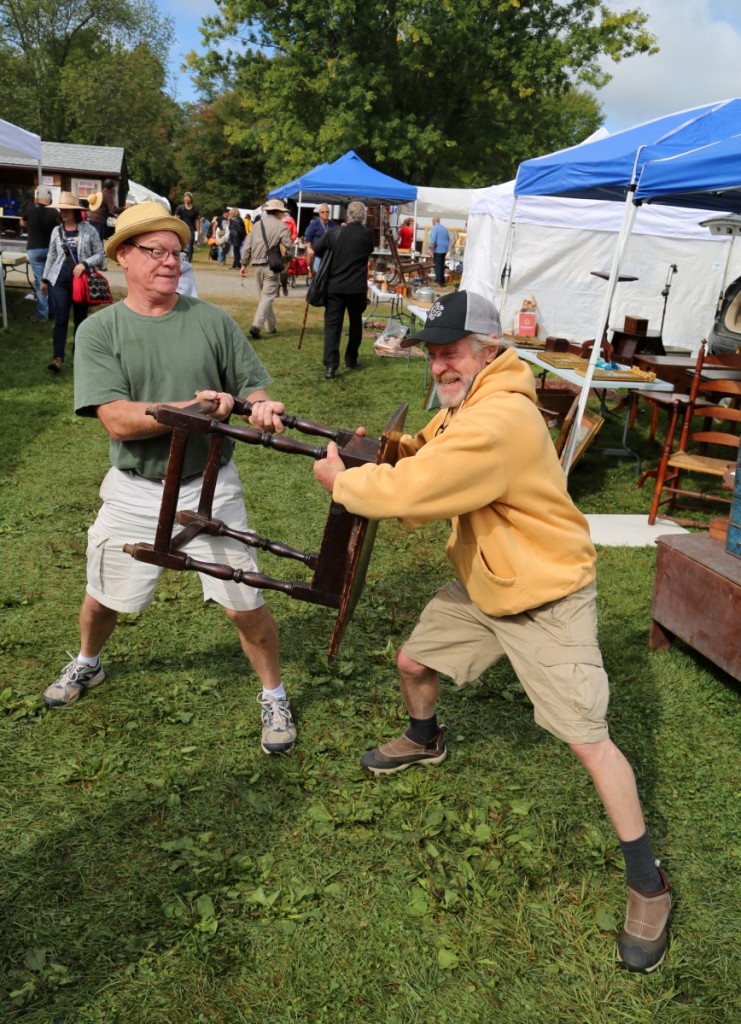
<point>316,293</point>
<point>97,288</point>
<point>91,287</point>
<point>276,260</point>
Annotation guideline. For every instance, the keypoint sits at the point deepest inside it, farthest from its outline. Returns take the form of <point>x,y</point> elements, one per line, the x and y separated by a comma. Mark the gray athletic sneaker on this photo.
<point>279,731</point>
<point>71,684</point>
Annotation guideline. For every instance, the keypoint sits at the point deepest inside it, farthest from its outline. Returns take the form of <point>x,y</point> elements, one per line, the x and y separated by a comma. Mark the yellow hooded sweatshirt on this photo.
<point>518,541</point>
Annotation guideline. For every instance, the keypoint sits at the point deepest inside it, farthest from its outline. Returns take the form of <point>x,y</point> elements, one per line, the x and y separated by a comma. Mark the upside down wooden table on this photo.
<point>338,567</point>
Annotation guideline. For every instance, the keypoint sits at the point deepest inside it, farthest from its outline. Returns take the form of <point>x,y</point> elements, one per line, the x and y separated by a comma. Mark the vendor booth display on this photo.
<point>690,158</point>
<point>343,180</point>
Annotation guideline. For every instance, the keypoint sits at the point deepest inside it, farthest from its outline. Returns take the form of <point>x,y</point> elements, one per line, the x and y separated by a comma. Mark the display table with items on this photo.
<point>573,368</point>
<point>383,295</point>
<point>10,225</point>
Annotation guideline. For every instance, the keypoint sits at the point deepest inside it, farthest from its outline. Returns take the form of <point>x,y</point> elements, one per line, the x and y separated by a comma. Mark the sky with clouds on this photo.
<point>700,43</point>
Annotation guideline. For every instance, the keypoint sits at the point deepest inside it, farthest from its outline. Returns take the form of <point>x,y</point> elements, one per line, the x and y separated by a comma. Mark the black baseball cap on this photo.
<point>455,315</point>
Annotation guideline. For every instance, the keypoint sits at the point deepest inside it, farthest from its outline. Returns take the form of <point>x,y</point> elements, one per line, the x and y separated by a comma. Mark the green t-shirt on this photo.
<point>120,354</point>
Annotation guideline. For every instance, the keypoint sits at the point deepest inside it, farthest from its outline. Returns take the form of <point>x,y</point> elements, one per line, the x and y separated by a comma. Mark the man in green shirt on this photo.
<point>159,346</point>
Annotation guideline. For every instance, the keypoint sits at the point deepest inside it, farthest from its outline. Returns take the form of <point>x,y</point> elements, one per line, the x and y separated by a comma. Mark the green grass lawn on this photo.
<point>159,869</point>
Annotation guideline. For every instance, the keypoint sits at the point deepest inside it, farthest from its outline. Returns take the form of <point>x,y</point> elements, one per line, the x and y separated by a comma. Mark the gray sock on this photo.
<point>640,867</point>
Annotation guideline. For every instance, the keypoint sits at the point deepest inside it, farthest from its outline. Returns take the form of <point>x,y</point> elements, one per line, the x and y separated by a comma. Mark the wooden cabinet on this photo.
<point>697,598</point>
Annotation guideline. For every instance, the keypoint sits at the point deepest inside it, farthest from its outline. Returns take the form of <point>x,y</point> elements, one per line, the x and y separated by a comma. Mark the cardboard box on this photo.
<point>526,325</point>
<point>635,325</point>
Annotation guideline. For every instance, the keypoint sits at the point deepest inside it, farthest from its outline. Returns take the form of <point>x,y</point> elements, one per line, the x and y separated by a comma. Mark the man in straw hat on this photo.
<point>267,234</point>
<point>158,346</point>
<point>525,586</point>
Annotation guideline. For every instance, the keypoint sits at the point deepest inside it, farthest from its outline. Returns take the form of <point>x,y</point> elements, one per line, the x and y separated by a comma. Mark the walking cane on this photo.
<point>303,325</point>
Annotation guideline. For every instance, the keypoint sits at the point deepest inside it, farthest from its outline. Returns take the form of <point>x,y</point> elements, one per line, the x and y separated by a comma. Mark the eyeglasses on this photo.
<point>160,255</point>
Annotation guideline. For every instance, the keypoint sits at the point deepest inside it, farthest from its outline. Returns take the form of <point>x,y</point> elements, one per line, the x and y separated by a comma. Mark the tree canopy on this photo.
<point>91,72</point>
<point>450,92</point>
<point>435,92</point>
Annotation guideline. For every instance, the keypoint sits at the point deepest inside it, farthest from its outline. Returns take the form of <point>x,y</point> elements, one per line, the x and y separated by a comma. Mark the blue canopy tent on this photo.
<point>345,179</point>
<point>612,168</point>
<point>708,178</point>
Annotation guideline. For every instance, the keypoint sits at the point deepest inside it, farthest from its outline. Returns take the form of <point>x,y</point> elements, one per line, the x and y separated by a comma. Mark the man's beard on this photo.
<point>450,397</point>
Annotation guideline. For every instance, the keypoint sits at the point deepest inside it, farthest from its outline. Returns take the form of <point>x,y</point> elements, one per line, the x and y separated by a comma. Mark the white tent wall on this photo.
<point>558,242</point>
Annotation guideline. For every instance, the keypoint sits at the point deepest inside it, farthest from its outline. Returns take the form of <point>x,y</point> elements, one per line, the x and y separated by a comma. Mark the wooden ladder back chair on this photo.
<point>340,564</point>
<point>404,267</point>
<point>721,422</point>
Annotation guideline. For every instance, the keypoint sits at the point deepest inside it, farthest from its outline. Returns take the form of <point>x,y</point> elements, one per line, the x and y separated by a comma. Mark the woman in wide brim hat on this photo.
<point>74,248</point>
<point>67,201</point>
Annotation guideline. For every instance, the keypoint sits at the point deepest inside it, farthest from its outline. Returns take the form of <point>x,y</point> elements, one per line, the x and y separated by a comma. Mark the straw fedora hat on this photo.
<point>140,219</point>
<point>67,201</point>
<point>95,201</point>
<point>275,205</point>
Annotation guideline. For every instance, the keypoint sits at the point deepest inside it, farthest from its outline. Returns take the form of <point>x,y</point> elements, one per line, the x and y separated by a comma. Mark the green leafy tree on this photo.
<point>211,164</point>
<point>92,73</point>
<point>454,92</point>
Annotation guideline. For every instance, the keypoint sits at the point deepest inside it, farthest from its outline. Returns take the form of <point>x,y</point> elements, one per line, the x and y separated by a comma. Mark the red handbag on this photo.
<point>79,291</point>
<point>91,288</point>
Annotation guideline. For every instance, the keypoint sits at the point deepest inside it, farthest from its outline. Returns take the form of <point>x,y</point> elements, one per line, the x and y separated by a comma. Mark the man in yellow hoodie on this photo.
<point>525,586</point>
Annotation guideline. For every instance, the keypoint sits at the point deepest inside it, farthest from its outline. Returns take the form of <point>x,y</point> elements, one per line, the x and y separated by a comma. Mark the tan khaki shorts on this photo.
<point>129,514</point>
<point>553,649</point>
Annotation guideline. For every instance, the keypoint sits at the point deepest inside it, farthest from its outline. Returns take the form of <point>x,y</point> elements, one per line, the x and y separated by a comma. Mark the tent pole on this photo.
<point>2,299</point>
<point>629,214</point>
<point>505,266</point>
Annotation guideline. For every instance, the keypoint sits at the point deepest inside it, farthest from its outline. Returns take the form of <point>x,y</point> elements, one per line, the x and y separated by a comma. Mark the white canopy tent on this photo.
<point>140,194</point>
<point>16,142</point>
<point>612,168</point>
<point>556,243</point>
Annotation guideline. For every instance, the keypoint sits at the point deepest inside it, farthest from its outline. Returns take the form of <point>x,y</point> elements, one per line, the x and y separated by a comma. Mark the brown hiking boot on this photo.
<point>55,365</point>
<point>642,940</point>
<point>403,753</point>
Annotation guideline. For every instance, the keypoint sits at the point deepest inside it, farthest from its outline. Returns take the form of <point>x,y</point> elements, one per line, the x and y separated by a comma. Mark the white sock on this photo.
<point>92,662</point>
<point>279,693</point>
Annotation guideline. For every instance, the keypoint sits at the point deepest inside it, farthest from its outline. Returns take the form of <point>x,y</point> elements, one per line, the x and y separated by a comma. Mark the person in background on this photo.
<point>290,223</point>
<point>247,223</point>
<point>102,206</point>
<point>74,247</point>
<point>406,234</point>
<point>237,235</point>
<point>270,232</point>
<point>212,241</point>
<point>525,579</point>
<point>11,207</point>
<point>319,225</point>
<point>190,215</point>
<point>222,236</point>
<point>39,220</point>
<point>347,286</point>
<point>157,346</point>
<point>439,241</point>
